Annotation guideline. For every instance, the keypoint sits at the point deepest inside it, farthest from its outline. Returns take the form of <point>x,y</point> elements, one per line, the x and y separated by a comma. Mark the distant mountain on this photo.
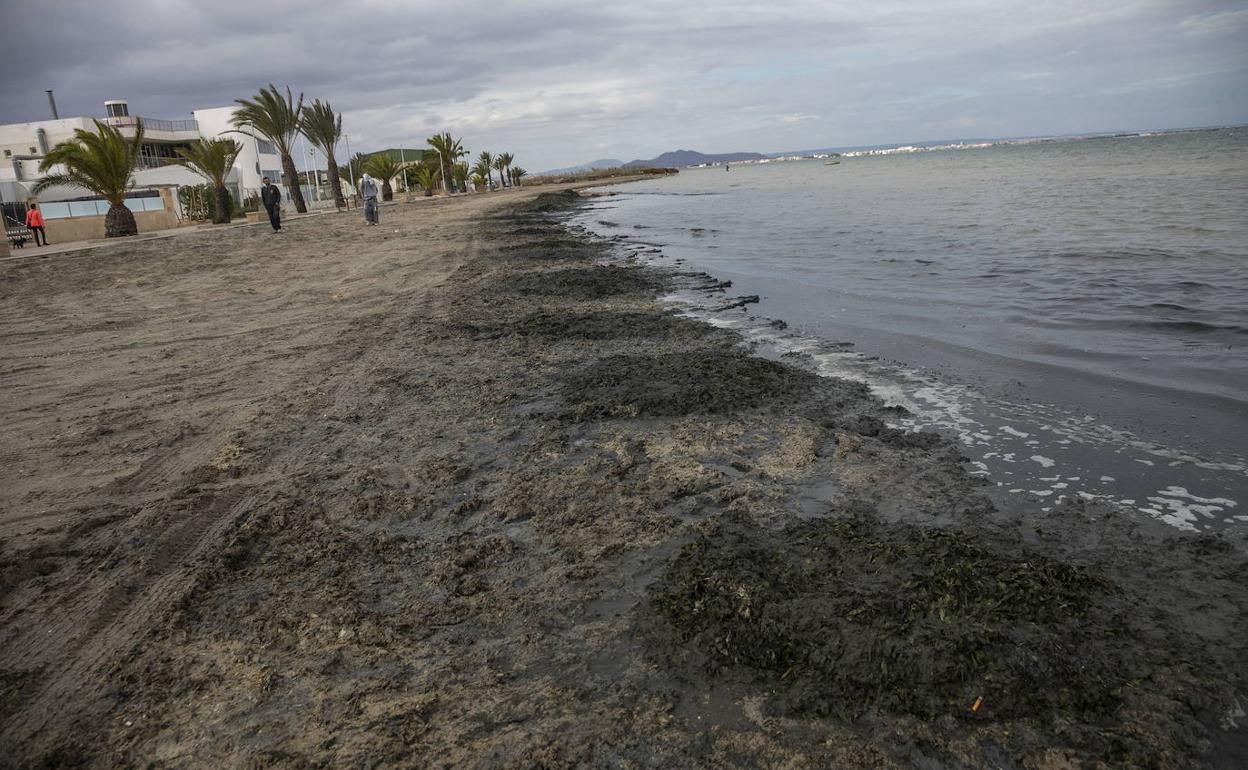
<point>590,166</point>
<point>681,158</point>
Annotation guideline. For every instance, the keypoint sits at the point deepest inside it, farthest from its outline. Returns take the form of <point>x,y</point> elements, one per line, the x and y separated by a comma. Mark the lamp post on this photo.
<point>403,165</point>
<point>313,174</point>
<point>4,225</point>
<point>304,144</point>
<point>350,163</point>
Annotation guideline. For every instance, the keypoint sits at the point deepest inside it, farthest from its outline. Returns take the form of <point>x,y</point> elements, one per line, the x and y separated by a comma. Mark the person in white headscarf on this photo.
<point>368,191</point>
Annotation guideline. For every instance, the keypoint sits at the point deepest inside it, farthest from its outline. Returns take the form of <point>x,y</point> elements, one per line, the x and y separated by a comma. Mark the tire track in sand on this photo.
<point>149,593</point>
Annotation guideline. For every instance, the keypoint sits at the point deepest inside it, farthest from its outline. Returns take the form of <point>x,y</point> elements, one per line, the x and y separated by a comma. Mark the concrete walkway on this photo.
<point>30,251</point>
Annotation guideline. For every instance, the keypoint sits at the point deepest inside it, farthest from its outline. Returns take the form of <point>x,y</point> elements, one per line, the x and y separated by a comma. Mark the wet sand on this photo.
<point>451,492</point>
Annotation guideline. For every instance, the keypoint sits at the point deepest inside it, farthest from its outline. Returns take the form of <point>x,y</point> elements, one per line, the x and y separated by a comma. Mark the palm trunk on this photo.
<point>387,192</point>
<point>119,221</point>
<point>224,205</point>
<point>489,177</point>
<point>335,184</point>
<point>291,178</point>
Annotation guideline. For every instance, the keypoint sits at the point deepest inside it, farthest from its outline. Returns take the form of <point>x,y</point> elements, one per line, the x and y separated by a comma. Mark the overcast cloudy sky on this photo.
<point>559,82</point>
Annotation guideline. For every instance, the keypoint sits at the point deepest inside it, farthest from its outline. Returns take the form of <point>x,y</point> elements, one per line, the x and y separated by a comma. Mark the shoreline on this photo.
<point>490,502</point>
<point>1152,449</point>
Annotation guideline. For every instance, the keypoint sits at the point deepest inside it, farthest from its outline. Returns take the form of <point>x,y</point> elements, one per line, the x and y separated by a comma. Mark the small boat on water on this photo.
<point>831,163</point>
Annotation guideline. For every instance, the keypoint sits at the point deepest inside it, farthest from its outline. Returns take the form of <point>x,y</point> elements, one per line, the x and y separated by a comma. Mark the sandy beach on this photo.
<point>459,491</point>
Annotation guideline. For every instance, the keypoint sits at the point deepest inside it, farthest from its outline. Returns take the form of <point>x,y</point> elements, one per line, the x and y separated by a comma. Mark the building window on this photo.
<point>33,151</point>
<point>265,148</point>
<point>8,153</point>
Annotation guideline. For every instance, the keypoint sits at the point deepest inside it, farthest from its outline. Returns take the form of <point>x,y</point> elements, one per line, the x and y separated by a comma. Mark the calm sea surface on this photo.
<point>1075,311</point>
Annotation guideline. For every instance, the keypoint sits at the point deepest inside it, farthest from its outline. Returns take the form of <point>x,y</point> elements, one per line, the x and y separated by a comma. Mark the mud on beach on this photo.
<point>463,496</point>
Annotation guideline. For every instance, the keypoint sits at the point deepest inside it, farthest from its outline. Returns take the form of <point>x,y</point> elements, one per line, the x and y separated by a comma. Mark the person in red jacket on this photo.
<point>34,223</point>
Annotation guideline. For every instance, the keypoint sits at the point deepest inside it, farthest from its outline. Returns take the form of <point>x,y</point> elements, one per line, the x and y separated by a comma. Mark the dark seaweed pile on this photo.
<point>600,326</point>
<point>674,384</point>
<point>582,283</point>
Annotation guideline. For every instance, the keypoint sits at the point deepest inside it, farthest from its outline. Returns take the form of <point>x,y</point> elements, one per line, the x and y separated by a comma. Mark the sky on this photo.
<point>560,82</point>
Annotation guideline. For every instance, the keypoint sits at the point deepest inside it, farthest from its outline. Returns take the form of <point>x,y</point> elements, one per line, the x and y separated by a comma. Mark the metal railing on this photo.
<point>153,124</point>
<point>146,162</point>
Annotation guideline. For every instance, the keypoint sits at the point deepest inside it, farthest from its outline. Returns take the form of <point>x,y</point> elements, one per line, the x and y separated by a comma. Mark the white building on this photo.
<point>258,158</point>
<point>23,146</point>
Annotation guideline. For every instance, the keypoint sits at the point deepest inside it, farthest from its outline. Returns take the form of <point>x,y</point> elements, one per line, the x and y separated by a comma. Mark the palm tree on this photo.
<point>460,174</point>
<point>507,159</point>
<point>323,127</point>
<point>100,161</point>
<point>518,173</point>
<point>268,116</point>
<point>427,178</point>
<point>485,163</point>
<point>482,169</point>
<point>449,151</point>
<point>501,167</point>
<point>384,168</point>
<point>351,172</point>
<point>213,159</point>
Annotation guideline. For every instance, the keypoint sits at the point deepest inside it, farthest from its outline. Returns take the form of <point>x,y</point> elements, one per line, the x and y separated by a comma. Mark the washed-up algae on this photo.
<point>673,384</point>
<point>848,615</point>
<point>551,202</point>
<point>601,326</point>
<point>551,249</point>
<point>580,283</point>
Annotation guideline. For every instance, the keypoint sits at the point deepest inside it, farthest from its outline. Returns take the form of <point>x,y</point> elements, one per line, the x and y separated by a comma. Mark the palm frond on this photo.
<point>269,116</point>
<point>322,125</point>
<point>101,161</point>
<point>382,166</point>
<point>210,158</point>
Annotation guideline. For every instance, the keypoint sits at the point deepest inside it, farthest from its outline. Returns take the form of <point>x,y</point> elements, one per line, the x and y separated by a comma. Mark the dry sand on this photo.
<point>450,493</point>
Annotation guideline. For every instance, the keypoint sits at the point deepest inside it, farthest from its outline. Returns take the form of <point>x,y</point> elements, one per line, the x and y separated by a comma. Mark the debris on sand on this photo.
<point>699,382</point>
<point>582,283</point>
<point>849,616</point>
<point>601,326</point>
<point>498,506</point>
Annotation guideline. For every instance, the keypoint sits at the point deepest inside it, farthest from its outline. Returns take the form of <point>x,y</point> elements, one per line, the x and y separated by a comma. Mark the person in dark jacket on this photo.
<point>271,197</point>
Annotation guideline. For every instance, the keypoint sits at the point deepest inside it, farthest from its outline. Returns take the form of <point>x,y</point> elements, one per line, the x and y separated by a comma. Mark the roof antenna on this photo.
<point>52,103</point>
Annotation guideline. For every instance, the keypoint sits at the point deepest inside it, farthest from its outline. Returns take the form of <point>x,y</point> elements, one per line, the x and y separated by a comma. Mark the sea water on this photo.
<point>1073,311</point>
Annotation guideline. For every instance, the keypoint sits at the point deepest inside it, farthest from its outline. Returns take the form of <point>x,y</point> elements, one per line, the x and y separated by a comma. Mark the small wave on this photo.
<point>1194,327</point>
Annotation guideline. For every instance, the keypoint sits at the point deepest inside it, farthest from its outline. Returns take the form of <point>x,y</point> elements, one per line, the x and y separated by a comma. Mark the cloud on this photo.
<point>1233,22</point>
<point>559,81</point>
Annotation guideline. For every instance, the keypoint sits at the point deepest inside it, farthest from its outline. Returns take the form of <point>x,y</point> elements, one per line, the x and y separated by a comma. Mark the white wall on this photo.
<point>215,122</point>
<point>18,138</point>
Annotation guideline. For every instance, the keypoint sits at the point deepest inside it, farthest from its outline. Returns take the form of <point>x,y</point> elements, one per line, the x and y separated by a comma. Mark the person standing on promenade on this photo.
<point>271,197</point>
<point>368,191</point>
<point>34,223</point>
